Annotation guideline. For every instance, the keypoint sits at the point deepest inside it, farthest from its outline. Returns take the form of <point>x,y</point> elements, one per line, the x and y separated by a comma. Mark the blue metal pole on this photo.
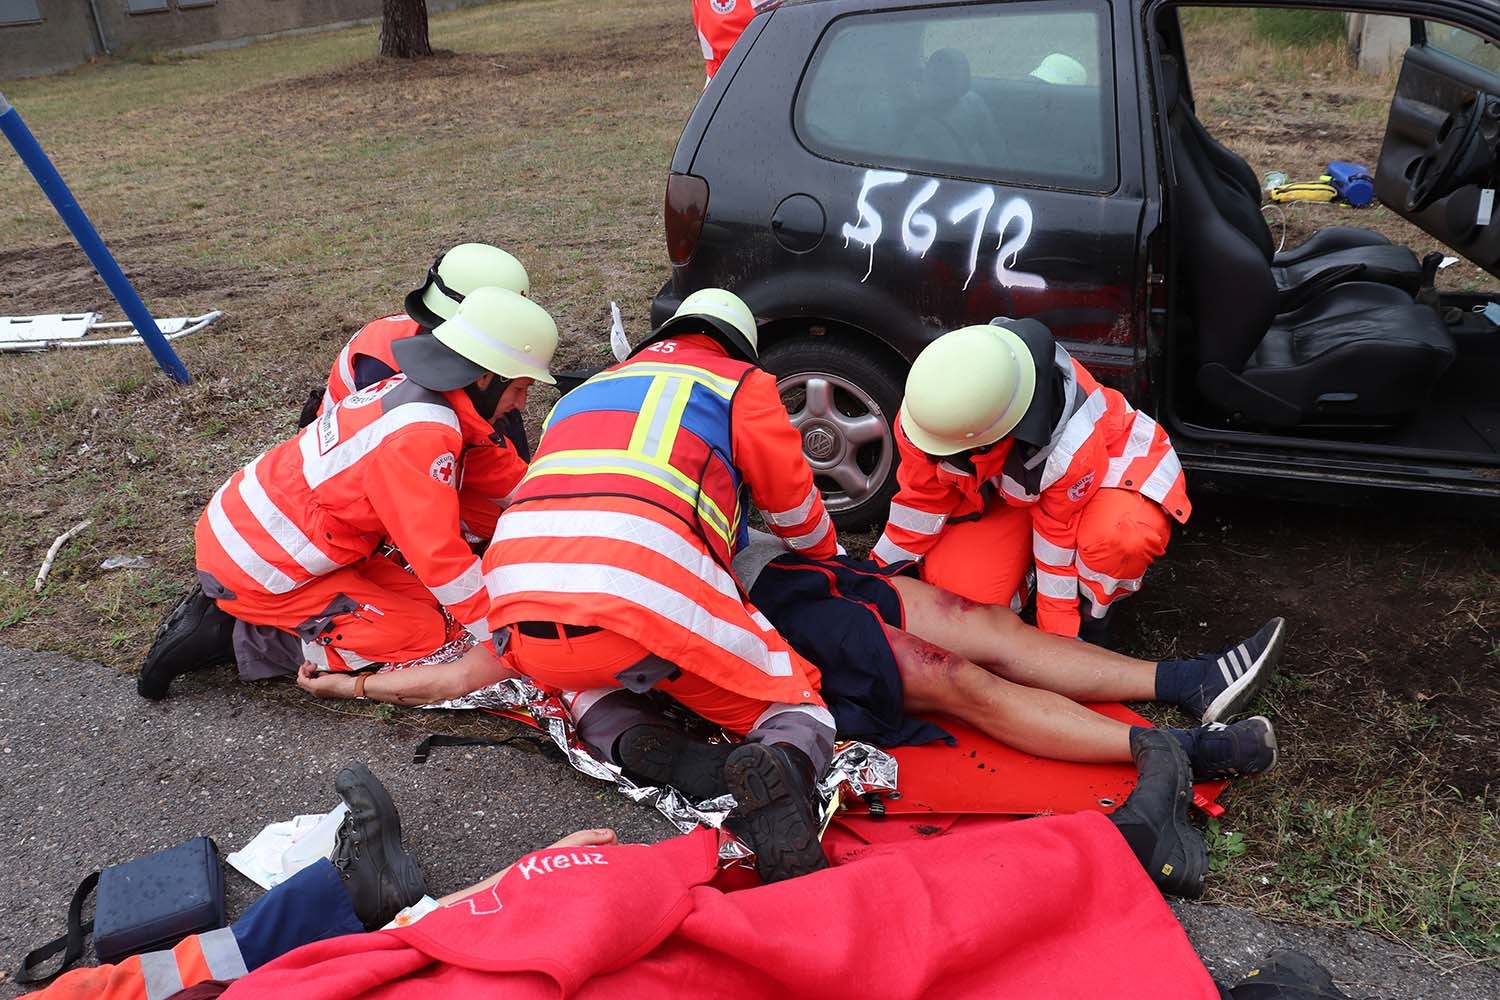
<point>62,199</point>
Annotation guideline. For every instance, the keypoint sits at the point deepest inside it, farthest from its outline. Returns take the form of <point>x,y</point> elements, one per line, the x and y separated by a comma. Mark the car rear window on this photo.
<point>1019,92</point>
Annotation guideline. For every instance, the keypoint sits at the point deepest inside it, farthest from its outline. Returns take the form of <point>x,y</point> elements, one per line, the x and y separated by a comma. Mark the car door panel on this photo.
<point>1432,85</point>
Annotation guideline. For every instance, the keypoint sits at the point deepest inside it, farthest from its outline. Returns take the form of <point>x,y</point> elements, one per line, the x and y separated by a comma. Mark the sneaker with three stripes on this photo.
<point>1234,677</point>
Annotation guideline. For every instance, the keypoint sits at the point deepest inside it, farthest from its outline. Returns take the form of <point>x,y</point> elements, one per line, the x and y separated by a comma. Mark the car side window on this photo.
<point>1018,92</point>
<point>1464,44</point>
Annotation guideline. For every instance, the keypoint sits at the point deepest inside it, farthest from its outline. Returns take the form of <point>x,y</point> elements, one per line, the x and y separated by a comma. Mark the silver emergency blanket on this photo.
<point>856,768</point>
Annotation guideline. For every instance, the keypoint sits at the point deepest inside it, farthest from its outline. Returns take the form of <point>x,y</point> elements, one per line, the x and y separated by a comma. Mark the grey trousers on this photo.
<point>603,714</point>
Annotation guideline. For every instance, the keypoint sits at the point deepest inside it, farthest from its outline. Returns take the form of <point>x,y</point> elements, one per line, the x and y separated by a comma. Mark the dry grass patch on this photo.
<point>301,185</point>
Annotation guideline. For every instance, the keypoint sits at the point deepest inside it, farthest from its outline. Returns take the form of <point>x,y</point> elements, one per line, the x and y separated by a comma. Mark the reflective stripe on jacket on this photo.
<point>381,464</point>
<point>1099,442</point>
<point>633,506</point>
<point>489,469</point>
<point>155,975</point>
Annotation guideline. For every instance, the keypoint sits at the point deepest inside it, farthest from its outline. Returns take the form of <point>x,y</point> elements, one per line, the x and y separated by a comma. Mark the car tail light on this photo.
<point>687,204</point>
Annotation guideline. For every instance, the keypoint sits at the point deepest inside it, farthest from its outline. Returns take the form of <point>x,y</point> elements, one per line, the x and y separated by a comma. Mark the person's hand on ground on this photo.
<point>325,683</point>
<point>588,838</point>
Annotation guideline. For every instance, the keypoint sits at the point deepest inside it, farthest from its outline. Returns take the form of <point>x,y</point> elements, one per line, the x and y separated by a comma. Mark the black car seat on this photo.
<point>950,122</point>
<point>1356,354</point>
<point>1332,255</point>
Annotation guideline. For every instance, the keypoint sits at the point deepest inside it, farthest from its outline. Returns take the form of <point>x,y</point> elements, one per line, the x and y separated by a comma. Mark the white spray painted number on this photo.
<point>919,227</point>
<point>867,227</point>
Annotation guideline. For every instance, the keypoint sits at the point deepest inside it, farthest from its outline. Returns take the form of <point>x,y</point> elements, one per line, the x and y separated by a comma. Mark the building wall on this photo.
<point>66,36</point>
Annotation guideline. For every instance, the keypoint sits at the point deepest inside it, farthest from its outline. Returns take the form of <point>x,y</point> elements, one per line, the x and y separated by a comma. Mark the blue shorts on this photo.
<point>834,612</point>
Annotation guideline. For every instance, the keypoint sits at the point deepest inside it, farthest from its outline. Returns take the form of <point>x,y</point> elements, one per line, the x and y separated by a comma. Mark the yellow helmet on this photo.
<point>967,389</point>
<point>459,271</point>
<point>492,330</point>
<point>720,314</point>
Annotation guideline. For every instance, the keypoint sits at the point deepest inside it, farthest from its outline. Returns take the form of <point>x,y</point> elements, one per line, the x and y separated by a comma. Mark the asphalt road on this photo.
<point>95,775</point>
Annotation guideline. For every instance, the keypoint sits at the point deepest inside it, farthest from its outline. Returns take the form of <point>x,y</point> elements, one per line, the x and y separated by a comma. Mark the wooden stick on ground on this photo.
<point>57,544</point>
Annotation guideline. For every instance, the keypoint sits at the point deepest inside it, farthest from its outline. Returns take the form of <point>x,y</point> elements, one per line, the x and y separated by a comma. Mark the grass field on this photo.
<point>303,186</point>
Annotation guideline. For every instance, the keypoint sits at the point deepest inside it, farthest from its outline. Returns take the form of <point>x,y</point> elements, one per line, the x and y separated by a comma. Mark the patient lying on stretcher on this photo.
<point>890,647</point>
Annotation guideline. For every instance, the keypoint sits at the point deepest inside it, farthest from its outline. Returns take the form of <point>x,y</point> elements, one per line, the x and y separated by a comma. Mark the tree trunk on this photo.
<point>403,29</point>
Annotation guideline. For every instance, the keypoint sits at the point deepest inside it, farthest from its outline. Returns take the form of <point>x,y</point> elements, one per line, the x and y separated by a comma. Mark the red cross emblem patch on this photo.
<point>443,468</point>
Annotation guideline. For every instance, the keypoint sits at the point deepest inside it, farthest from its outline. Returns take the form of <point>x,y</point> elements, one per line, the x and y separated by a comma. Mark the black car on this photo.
<point>868,174</point>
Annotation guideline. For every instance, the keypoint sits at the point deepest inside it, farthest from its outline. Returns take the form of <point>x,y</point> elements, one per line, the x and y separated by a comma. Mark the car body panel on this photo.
<point>906,253</point>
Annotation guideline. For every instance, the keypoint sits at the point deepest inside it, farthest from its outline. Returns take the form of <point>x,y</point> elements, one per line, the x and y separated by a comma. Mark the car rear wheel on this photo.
<point>843,399</point>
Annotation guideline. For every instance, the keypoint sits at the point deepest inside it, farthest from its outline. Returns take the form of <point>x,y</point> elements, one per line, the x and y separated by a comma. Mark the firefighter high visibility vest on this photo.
<point>655,430</point>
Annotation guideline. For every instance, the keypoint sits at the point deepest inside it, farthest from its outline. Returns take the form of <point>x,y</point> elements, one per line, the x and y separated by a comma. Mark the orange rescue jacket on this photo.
<point>381,464</point>
<point>487,471</point>
<point>720,23</point>
<point>1100,442</point>
<point>155,975</point>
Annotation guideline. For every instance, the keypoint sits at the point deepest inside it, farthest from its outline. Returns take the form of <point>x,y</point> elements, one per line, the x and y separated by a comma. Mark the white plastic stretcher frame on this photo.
<point>41,333</point>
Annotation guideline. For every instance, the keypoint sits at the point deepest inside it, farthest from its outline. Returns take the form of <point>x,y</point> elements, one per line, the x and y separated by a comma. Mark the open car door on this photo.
<point>1438,164</point>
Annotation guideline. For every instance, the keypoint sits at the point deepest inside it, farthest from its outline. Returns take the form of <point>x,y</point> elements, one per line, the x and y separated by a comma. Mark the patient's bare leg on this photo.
<point>993,637</point>
<point>1027,718</point>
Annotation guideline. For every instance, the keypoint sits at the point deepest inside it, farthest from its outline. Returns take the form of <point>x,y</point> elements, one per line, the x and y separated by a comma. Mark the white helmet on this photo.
<point>716,312</point>
<point>459,271</point>
<point>1060,69</point>
<point>967,389</point>
<point>492,330</point>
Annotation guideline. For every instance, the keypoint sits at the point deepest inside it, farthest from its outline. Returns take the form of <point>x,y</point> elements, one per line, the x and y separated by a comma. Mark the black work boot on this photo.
<point>663,755</point>
<point>194,635</point>
<point>774,813</point>
<point>1153,818</point>
<point>380,877</point>
<point>1287,975</point>
<point>1096,631</point>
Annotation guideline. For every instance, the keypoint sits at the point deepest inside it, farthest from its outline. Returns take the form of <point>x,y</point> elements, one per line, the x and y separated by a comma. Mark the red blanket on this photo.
<point>1053,907</point>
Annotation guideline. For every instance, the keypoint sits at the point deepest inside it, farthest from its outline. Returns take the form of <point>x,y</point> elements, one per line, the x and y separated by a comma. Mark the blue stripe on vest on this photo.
<point>707,416</point>
<point>625,395</point>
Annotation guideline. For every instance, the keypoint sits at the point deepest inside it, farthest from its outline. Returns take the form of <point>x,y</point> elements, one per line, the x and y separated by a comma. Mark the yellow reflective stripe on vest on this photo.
<point>615,462</point>
<point>714,383</point>
<point>661,416</point>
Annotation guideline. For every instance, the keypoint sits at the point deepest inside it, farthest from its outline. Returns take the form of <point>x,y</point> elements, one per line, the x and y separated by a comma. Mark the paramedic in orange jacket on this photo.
<point>720,23</point>
<point>492,469</point>
<point>292,547</point>
<point>612,565</point>
<point>1013,455</point>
